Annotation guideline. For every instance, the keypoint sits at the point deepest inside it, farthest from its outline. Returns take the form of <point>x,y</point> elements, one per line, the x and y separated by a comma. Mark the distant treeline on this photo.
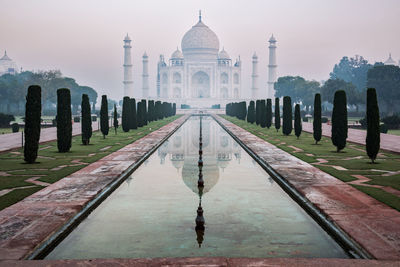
<point>13,90</point>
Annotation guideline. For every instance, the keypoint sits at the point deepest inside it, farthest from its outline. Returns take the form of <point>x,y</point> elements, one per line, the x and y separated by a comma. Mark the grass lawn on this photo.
<point>52,165</point>
<point>353,158</point>
<point>395,132</point>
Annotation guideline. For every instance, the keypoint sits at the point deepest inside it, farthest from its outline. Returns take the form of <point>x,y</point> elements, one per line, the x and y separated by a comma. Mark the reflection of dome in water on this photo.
<point>177,160</point>
<point>196,133</point>
<point>190,174</point>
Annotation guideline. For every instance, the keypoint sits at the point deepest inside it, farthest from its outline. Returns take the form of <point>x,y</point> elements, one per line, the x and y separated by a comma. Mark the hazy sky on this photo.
<point>83,39</point>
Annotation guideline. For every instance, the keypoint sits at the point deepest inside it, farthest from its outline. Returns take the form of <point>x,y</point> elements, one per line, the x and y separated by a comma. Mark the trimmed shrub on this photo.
<point>324,120</point>
<point>258,112</point>
<point>174,109</point>
<point>287,126</point>
<point>297,121</point>
<point>33,110</point>
<point>133,119</point>
<point>305,119</point>
<point>383,128</point>
<point>158,111</point>
<point>392,122</point>
<point>277,115</point>
<point>268,114</point>
<point>373,139</point>
<point>86,125</point>
<point>251,113</point>
<point>77,119</point>
<point>115,123</point>
<point>126,113</point>
<point>317,122</point>
<point>339,120</point>
<point>64,120</point>
<point>15,127</point>
<point>144,111</point>
<point>5,120</point>
<point>104,126</point>
<point>263,114</point>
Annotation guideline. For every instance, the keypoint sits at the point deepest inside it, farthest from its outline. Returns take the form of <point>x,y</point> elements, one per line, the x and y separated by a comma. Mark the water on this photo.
<point>153,213</point>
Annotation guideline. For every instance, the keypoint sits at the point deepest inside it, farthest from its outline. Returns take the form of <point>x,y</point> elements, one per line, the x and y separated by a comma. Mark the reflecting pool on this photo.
<point>152,214</point>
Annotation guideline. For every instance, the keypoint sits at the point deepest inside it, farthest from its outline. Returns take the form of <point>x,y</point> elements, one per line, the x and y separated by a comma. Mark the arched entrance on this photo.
<point>200,85</point>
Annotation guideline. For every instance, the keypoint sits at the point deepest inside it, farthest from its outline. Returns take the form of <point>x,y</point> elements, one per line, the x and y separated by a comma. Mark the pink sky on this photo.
<point>84,38</point>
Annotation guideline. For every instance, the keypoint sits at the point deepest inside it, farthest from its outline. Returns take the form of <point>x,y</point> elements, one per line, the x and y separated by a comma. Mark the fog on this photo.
<point>83,39</point>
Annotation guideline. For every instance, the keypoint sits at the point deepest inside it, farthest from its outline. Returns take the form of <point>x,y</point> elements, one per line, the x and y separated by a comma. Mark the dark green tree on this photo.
<point>287,125</point>
<point>86,124</point>
<point>373,125</point>
<point>33,110</point>
<point>297,121</point>
<point>258,112</point>
<point>140,114</point>
<point>64,120</point>
<point>126,113</point>
<point>144,107</point>
<point>386,80</point>
<point>339,120</point>
<point>269,113</point>
<point>115,118</point>
<point>263,114</point>
<point>331,86</point>
<point>174,109</point>
<point>317,123</point>
<point>158,115</point>
<point>104,127</point>
<point>133,119</point>
<point>251,113</point>
<point>277,115</point>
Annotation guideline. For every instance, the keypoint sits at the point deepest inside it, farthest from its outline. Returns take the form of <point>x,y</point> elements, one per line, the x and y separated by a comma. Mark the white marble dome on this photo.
<point>200,39</point>
<point>223,54</point>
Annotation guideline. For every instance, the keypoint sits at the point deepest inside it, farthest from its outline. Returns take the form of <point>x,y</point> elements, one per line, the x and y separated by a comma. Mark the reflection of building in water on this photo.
<point>183,151</point>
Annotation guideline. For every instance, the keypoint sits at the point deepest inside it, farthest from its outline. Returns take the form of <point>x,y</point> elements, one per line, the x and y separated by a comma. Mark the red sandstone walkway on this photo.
<point>13,140</point>
<point>389,142</point>
<point>372,224</point>
<point>30,222</point>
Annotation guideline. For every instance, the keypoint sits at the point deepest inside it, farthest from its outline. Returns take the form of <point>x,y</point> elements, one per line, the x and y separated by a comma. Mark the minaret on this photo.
<point>254,78</point>
<point>271,67</point>
<point>128,81</point>
<point>145,76</point>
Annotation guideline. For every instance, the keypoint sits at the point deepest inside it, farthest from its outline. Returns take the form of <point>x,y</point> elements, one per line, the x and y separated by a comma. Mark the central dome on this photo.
<point>200,40</point>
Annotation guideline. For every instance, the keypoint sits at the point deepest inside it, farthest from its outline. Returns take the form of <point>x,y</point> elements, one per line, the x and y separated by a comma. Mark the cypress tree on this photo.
<point>104,127</point>
<point>251,113</point>
<point>297,121</point>
<point>287,125</point>
<point>373,128</point>
<point>144,107</point>
<point>258,112</point>
<point>174,109</point>
<point>64,120</point>
<point>263,114</point>
<point>126,113</point>
<point>86,124</point>
<point>33,110</point>
<point>268,115</point>
<point>115,118</point>
<point>133,119</point>
<point>339,120</point>
<point>150,110</point>
<point>277,115</point>
<point>157,110</point>
<point>317,124</point>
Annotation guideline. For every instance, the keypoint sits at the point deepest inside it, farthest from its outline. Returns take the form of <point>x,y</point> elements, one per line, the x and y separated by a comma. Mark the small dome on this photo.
<point>390,60</point>
<point>223,54</point>
<point>177,54</point>
<point>7,65</point>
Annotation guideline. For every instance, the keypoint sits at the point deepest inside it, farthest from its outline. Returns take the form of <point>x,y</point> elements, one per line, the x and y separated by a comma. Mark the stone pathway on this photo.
<point>205,262</point>
<point>389,142</point>
<point>14,140</point>
<point>369,222</point>
<point>28,223</point>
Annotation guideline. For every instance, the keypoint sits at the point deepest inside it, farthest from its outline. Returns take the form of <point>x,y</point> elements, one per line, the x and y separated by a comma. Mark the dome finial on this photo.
<point>200,15</point>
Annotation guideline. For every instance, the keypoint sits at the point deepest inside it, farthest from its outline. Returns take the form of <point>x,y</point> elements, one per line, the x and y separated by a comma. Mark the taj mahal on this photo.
<point>200,74</point>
